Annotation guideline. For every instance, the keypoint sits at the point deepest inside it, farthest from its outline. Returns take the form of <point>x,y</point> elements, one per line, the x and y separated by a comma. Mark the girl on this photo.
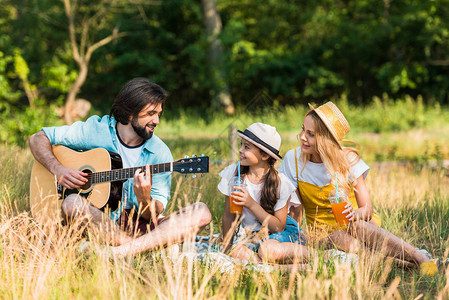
<point>265,201</point>
<point>312,167</point>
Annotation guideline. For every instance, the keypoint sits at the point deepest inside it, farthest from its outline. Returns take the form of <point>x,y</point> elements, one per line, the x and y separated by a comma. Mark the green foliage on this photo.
<point>20,66</point>
<point>359,48</point>
<point>6,91</point>
<point>16,126</point>
<point>295,52</point>
<point>58,75</point>
<point>291,53</point>
<point>17,120</point>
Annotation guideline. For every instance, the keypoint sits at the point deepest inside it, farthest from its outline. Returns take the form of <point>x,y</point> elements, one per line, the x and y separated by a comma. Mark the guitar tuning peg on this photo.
<point>193,156</point>
<point>186,156</point>
<point>193,176</point>
<point>202,155</point>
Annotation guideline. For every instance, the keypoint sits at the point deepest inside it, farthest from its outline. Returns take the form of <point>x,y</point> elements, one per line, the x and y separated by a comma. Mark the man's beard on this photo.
<point>140,130</point>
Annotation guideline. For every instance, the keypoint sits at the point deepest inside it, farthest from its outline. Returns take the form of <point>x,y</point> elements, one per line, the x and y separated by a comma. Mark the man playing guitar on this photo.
<point>128,130</point>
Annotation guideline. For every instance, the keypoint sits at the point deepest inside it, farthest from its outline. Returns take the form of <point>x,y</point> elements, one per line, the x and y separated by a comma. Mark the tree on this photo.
<point>83,50</point>
<point>212,22</point>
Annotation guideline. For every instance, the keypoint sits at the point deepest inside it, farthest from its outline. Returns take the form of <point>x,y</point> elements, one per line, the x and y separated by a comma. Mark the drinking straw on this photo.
<point>238,170</point>
<point>336,186</point>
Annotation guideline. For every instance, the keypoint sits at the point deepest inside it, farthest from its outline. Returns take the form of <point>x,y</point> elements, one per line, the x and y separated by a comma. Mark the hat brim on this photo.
<point>326,123</point>
<point>258,145</point>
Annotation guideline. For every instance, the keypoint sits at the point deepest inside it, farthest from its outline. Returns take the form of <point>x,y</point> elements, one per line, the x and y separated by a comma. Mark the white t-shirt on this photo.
<point>315,173</point>
<point>129,156</point>
<point>286,189</point>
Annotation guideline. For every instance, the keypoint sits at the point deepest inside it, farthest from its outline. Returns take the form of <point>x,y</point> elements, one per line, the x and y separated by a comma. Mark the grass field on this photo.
<point>40,262</point>
<point>405,143</point>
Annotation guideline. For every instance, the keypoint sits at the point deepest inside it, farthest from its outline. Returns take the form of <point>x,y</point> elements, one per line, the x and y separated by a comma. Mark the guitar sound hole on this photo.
<point>88,184</point>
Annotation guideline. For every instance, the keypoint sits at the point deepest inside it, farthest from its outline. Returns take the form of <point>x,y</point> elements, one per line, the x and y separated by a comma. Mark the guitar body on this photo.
<point>46,195</point>
<point>105,179</point>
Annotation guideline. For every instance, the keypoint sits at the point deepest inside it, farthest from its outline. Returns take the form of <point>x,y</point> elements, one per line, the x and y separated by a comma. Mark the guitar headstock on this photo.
<point>192,165</point>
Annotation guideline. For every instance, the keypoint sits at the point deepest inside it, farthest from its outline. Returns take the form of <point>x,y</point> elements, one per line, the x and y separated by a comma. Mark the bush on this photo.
<point>16,126</point>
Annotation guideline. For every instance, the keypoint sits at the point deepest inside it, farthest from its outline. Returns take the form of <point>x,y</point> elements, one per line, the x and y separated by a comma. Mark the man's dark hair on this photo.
<point>134,96</point>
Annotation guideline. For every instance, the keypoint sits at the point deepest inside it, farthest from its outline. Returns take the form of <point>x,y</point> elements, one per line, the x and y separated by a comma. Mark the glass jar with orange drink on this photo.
<point>235,183</point>
<point>338,202</point>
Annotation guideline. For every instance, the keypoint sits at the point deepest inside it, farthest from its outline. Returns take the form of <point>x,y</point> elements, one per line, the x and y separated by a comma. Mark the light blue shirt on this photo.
<point>98,132</point>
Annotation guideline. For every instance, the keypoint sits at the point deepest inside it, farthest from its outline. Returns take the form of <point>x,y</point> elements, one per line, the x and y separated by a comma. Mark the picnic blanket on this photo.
<point>205,250</point>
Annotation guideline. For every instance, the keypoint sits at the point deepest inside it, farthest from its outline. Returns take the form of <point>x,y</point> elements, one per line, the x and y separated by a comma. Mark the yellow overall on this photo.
<point>317,207</point>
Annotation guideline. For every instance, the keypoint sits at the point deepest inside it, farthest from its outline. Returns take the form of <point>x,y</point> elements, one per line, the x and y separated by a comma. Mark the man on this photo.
<point>128,131</point>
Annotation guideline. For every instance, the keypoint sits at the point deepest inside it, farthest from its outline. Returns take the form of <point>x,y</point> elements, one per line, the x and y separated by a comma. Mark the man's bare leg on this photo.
<point>174,229</point>
<point>75,207</point>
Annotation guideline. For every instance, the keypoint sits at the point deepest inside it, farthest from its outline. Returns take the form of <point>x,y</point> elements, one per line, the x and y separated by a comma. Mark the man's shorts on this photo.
<point>131,223</point>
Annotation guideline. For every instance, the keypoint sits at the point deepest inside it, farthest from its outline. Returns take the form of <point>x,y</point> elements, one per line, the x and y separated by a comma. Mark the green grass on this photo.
<point>418,145</point>
<point>381,116</point>
<point>386,130</point>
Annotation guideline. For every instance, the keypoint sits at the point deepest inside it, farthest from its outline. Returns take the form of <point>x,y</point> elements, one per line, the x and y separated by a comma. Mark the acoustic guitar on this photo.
<point>105,178</point>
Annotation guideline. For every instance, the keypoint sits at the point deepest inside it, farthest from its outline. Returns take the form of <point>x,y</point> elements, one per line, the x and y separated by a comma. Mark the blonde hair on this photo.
<point>334,158</point>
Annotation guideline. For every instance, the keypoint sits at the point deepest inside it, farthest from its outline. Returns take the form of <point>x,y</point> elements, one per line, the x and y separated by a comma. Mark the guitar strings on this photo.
<point>116,174</point>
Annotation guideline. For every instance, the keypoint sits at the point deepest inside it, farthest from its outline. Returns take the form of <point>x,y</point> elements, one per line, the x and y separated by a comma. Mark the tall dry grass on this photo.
<point>40,261</point>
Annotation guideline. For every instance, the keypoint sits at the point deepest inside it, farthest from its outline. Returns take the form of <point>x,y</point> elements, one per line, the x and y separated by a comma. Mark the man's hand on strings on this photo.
<point>142,188</point>
<point>142,184</point>
<point>71,178</point>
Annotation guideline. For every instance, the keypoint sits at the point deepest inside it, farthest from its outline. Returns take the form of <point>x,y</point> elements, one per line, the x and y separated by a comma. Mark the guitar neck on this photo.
<point>123,174</point>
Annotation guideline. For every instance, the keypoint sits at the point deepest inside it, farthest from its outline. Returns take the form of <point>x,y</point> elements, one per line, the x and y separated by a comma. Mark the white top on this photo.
<point>250,221</point>
<point>315,173</point>
<point>129,156</point>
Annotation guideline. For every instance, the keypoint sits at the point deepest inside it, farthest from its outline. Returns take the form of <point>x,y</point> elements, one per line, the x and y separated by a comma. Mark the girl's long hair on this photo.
<point>334,158</point>
<point>270,190</point>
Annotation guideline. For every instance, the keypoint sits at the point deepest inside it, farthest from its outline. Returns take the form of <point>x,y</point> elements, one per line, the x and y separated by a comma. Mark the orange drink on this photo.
<point>234,208</point>
<point>337,210</point>
<point>235,184</point>
<point>338,203</point>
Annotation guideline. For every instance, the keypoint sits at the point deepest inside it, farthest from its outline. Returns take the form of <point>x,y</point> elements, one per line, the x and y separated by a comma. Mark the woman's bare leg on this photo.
<point>387,243</point>
<point>341,240</point>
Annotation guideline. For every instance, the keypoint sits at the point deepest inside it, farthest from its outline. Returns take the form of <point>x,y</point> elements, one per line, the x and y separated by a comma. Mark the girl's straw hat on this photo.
<point>264,137</point>
<point>334,120</point>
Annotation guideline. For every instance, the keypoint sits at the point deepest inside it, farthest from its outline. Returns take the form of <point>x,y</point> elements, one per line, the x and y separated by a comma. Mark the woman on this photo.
<point>316,166</point>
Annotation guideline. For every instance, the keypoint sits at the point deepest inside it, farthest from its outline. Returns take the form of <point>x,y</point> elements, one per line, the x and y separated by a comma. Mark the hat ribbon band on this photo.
<point>259,141</point>
<point>357,145</point>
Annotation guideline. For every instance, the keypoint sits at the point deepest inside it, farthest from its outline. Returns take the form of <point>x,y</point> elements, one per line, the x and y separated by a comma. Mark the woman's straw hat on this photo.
<point>334,120</point>
<point>264,137</point>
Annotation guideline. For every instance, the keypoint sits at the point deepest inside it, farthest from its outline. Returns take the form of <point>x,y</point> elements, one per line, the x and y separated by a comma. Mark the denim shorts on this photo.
<point>292,233</point>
